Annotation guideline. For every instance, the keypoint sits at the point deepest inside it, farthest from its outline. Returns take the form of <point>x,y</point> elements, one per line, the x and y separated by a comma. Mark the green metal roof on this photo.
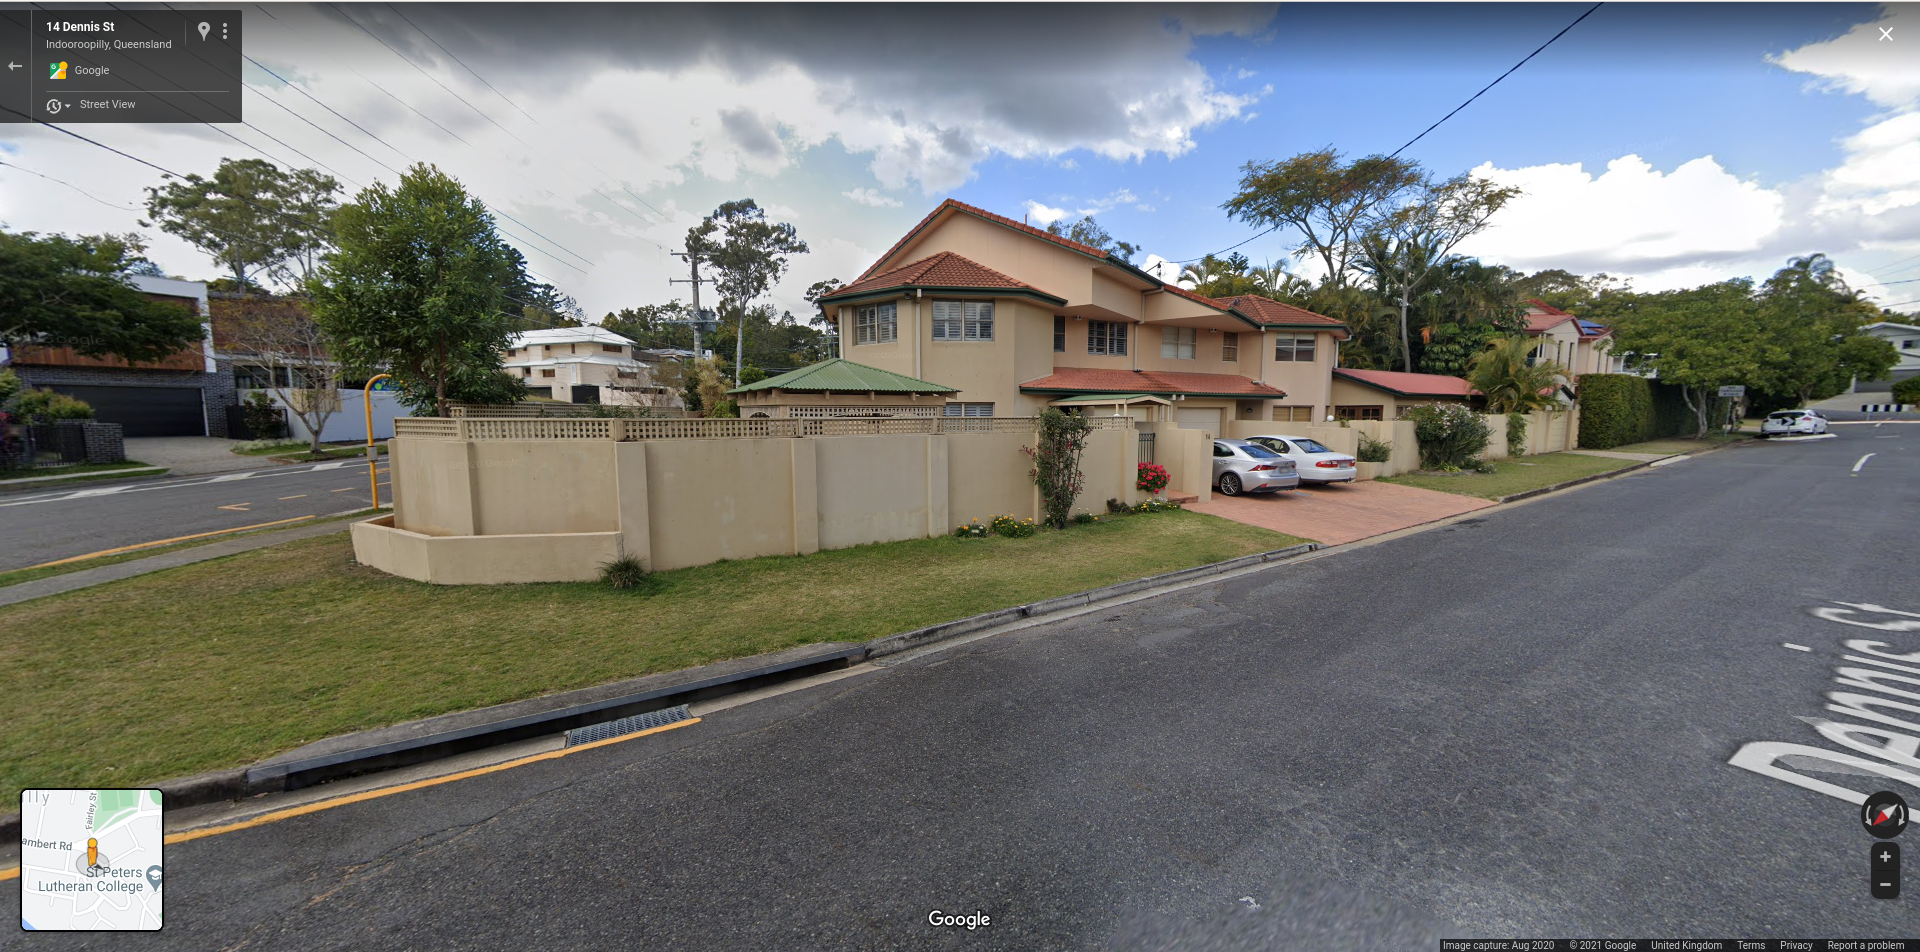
<point>1108,398</point>
<point>844,376</point>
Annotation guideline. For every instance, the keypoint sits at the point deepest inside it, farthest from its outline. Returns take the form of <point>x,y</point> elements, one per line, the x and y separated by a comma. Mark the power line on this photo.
<point>1436,125</point>
<point>13,165</point>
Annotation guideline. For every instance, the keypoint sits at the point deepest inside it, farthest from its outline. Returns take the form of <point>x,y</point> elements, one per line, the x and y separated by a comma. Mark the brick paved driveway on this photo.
<point>1343,512</point>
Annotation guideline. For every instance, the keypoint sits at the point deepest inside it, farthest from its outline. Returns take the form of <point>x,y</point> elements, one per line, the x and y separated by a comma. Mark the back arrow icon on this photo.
<point>12,66</point>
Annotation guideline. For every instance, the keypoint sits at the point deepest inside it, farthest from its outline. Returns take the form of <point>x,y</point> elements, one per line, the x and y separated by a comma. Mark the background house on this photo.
<point>183,394</point>
<point>591,364</point>
<point>1385,394</point>
<point>1581,346</point>
<point>1905,339</point>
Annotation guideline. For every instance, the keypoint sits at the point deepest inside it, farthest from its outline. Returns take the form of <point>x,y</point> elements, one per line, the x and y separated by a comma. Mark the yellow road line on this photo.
<point>316,807</point>
<point>149,545</point>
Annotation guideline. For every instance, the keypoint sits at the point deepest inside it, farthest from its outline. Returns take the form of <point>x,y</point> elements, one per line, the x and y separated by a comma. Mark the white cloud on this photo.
<point>1861,62</point>
<point>1662,227</point>
<point>1044,215</point>
<point>872,197</point>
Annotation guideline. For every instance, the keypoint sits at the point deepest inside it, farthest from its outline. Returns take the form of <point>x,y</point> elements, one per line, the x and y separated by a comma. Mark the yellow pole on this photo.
<point>373,452</point>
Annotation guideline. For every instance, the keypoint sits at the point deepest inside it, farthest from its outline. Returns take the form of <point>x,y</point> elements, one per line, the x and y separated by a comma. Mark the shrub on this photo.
<point>972,530</point>
<point>1516,434</point>
<point>1374,451</point>
<point>1155,505</point>
<point>1115,505</point>
<point>1617,409</point>
<point>262,418</point>
<point>1907,391</point>
<point>1483,467</point>
<point>1056,463</point>
<point>1085,519</point>
<point>10,384</point>
<point>1152,477</point>
<point>46,406</point>
<point>1014,527</point>
<point>624,572</point>
<point>1451,436</point>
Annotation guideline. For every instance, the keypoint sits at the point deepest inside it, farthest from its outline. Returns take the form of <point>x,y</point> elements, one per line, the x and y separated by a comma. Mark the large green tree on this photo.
<point>1511,382</point>
<point>1328,201</point>
<point>241,217</point>
<point>1814,319</point>
<point>1408,243</point>
<point>416,286</point>
<point>748,254</point>
<point>1698,339</point>
<point>74,292</point>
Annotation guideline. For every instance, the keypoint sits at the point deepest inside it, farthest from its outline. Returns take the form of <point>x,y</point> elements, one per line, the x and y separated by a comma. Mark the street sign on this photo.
<point>1735,390</point>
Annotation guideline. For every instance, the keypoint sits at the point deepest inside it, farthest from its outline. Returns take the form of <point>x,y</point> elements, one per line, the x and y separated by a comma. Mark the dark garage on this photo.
<point>145,411</point>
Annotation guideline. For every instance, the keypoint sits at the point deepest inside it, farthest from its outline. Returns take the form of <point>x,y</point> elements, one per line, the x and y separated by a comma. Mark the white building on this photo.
<point>588,364</point>
<point>1905,339</point>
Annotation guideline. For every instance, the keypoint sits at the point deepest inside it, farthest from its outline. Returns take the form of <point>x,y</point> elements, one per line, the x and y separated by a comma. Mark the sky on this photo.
<point>1669,144</point>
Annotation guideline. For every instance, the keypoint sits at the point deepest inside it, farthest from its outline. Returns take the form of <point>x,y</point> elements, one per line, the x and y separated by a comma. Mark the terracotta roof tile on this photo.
<point>1409,385</point>
<point>989,216</point>
<point>1094,380</point>
<point>943,270</point>
<point>1268,311</point>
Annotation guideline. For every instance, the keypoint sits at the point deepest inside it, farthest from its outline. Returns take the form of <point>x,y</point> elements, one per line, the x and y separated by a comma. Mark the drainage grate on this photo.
<point>627,725</point>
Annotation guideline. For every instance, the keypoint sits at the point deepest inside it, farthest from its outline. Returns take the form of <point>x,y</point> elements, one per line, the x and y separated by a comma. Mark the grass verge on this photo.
<point>1675,447</point>
<point>222,663</point>
<point>17,576</point>
<point>1515,475</point>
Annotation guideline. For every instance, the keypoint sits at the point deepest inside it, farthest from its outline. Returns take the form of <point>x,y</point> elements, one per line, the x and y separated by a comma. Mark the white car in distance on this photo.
<point>1313,460</point>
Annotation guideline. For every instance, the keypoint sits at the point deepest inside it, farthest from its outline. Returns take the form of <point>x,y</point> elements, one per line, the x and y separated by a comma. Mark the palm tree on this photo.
<point>1512,384</point>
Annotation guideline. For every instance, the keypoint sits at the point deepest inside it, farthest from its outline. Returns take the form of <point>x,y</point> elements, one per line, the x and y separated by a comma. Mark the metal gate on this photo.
<point>1146,447</point>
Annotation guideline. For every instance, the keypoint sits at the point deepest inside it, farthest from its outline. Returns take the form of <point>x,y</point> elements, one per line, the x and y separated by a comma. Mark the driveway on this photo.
<point>1342,512</point>
<point>193,455</point>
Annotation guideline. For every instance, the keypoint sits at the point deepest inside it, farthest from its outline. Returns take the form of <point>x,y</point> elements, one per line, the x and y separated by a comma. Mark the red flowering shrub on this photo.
<point>1153,477</point>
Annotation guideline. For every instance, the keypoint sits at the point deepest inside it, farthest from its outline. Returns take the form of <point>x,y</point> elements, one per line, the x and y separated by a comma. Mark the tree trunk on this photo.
<point>1406,347</point>
<point>440,377</point>
<point>1699,409</point>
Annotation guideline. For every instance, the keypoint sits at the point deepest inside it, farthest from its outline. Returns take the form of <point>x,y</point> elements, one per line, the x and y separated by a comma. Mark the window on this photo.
<point>1107,337</point>
<point>1059,334</point>
<point>963,320</point>
<point>1230,346</point>
<point>1293,347</point>
<point>878,324</point>
<point>969,409</point>
<point>610,348</point>
<point>548,372</point>
<point>1222,449</point>
<point>1293,414</point>
<point>1176,343</point>
<point>1357,413</point>
<point>1906,344</point>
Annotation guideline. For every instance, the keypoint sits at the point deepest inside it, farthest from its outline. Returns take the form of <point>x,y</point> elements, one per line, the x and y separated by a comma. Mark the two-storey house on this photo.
<point>588,364</point>
<point>992,317</point>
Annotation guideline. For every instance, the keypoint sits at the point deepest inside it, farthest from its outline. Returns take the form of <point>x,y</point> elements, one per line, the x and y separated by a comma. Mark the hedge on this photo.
<point>1907,391</point>
<point>1617,409</point>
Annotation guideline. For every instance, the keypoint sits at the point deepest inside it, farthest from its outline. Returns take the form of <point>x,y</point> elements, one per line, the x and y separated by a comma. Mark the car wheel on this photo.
<point>1229,485</point>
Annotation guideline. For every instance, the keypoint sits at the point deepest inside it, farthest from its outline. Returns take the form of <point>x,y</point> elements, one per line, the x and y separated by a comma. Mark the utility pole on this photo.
<point>693,262</point>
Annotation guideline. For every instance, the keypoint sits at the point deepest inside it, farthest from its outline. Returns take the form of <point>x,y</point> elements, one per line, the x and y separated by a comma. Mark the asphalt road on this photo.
<point>80,518</point>
<point>1518,725</point>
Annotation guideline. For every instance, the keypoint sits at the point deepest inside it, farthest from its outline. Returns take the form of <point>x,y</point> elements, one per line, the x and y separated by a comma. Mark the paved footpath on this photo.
<point>1343,512</point>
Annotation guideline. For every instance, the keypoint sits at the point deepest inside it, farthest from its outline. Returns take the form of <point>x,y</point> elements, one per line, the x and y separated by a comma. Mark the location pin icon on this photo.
<point>204,27</point>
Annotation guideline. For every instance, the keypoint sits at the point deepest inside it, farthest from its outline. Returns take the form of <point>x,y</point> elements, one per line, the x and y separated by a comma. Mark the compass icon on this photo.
<point>1884,815</point>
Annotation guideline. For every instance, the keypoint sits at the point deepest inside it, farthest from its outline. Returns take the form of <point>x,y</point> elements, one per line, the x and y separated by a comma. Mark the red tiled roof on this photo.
<point>989,216</point>
<point>1409,385</point>
<point>1543,317</point>
<point>943,270</point>
<point>1268,311</point>
<point>1094,380</point>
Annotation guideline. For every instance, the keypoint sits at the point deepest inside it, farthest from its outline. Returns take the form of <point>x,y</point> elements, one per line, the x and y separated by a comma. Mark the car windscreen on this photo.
<point>1257,451</point>
<point>1785,415</point>
<point>1310,446</point>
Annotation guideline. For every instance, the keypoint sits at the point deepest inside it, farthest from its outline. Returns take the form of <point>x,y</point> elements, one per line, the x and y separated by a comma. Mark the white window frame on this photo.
<point>1110,336</point>
<point>1178,343</point>
<point>962,321</point>
<point>876,324</point>
<point>1289,347</point>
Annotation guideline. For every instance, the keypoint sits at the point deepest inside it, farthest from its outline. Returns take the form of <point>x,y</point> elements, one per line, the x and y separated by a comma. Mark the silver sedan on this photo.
<point>1243,467</point>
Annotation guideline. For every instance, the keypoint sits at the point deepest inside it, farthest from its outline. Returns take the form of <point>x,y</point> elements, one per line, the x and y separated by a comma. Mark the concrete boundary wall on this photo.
<point>503,510</point>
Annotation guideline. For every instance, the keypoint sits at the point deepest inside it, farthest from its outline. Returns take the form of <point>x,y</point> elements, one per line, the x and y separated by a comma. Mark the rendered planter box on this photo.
<point>1365,471</point>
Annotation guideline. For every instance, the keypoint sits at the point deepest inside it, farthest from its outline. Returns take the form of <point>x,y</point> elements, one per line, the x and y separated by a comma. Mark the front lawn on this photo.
<point>1515,475</point>
<point>225,662</point>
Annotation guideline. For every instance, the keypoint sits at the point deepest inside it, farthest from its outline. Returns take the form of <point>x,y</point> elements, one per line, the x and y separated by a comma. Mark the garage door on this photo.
<point>145,411</point>
<point>1203,418</point>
